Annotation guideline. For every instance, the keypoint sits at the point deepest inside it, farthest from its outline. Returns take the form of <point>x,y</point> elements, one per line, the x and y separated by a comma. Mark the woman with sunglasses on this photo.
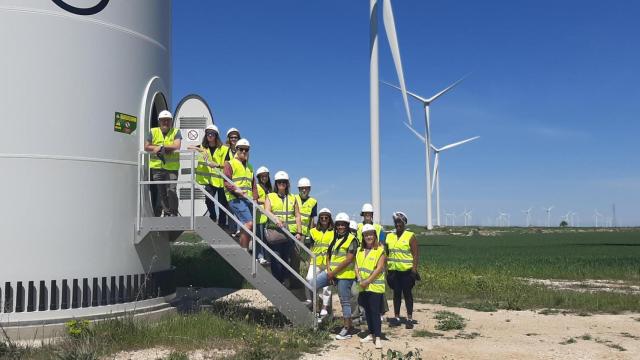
<point>264,188</point>
<point>210,160</point>
<point>228,152</point>
<point>241,189</point>
<point>340,270</point>
<point>370,263</point>
<point>321,237</point>
<point>284,207</point>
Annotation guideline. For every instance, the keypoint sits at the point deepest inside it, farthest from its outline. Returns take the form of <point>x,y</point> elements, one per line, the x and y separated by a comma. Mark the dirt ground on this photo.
<point>503,334</point>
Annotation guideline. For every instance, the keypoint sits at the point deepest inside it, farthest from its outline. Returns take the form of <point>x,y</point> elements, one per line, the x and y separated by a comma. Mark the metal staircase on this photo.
<point>242,261</point>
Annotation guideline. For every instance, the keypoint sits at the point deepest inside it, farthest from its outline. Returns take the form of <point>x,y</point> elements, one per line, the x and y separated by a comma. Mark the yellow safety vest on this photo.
<point>306,208</point>
<point>172,160</point>
<point>218,158</point>
<point>378,228</point>
<point>203,171</point>
<point>284,211</point>
<point>262,194</point>
<point>242,176</point>
<point>338,255</point>
<point>400,256</point>
<point>321,242</point>
<point>367,263</point>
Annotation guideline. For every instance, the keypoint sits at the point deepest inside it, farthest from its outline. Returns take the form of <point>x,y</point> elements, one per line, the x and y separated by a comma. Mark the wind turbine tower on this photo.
<point>426,103</point>
<point>548,211</point>
<point>527,214</point>
<point>374,91</point>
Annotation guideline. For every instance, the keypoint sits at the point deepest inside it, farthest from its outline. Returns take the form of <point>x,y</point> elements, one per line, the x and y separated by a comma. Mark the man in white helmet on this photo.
<point>308,206</point>
<point>163,142</point>
<point>367,218</point>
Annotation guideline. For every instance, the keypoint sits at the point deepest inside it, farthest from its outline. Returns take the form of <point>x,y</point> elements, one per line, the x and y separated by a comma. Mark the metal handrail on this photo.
<point>311,286</point>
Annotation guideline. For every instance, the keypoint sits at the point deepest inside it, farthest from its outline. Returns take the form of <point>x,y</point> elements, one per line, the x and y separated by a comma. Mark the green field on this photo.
<point>483,271</point>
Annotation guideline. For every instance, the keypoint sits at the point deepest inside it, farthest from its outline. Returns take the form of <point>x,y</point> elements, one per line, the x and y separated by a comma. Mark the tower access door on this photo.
<point>192,116</point>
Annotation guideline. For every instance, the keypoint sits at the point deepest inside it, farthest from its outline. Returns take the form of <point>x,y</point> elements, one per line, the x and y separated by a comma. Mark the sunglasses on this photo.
<point>324,217</point>
<point>211,134</point>
<point>243,149</point>
<point>281,182</point>
<point>234,137</point>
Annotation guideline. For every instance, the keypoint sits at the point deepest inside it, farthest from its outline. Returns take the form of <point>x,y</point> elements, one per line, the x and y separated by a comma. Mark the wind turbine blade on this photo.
<point>434,148</point>
<point>415,132</point>
<point>458,143</point>
<point>435,172</point>
<point>416,96</point>
<point>392,37</point>
<point>447,89</point>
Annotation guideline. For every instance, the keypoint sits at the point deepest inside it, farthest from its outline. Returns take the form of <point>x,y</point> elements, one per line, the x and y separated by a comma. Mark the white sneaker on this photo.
<point>369,338</point>
<point>378,343</point>
<point>262,261</point>
<point>324,312</point>
<point>343,335</point>
<point>308,302</point>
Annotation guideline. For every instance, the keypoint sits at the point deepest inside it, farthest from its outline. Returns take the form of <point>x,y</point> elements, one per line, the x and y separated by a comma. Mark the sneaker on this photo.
<point>393,322</point>
<point>378,343</point>
<point>366,339</point>
<point>324,312</point>
<point>344,334</point>
<point>308,303</point>
<point>262,261</point>
<point>408,325</point>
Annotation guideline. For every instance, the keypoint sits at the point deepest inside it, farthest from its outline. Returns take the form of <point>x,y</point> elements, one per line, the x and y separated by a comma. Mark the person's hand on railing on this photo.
<point>279,223</point>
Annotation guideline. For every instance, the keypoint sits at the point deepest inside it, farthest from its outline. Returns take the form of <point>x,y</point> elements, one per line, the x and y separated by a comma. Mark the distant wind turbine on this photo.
<point>548,211</point>
<point>426,102</point>
<point>527,214</point>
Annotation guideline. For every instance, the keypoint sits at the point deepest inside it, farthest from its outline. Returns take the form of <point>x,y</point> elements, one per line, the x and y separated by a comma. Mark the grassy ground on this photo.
<point>253,334</point>
<point>482,271</point>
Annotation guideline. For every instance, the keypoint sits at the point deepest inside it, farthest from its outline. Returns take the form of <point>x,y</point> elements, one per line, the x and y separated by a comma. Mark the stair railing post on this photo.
<point>193,190</point>
<point>253,243</point>
<point>315,290</point>
<point>139,191</point>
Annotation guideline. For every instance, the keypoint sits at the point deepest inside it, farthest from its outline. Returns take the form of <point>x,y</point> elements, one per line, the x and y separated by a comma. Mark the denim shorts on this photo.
<point>241,209</point>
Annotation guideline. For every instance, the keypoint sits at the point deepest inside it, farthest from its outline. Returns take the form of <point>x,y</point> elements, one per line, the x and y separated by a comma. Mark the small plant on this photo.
<point>617,347</point>
<point>467,336</point>
<point>586,337</point>
<point>399,355</point>
<point>569,341</point>
<point>426,333</point>
<point>548,311</point>
<point>448,320</point>
<point>77,328</point>
<point>626,334</point>
<point>176,355</point>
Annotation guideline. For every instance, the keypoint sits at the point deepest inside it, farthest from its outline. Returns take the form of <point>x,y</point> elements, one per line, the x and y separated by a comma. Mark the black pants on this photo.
<point>221,216</point>
<point>372,303</point>
<point>402,284</point>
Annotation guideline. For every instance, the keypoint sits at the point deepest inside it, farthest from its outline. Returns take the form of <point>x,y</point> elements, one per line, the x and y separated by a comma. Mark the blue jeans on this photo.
<point>344,291</point>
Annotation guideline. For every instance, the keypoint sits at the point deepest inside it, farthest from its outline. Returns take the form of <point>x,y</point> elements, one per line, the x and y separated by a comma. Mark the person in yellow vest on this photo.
<point>402,265</point>
<point>370,267</point>
<point>340,270</point>
<point>164,143</point>
<point>367,218</point>
<point>308,206</point>
<point>321,238</point>
<point>284,207</point>
<point>228,152</point>
<point>242,188</point>
<point>209,163</point>
<point>264,188</point>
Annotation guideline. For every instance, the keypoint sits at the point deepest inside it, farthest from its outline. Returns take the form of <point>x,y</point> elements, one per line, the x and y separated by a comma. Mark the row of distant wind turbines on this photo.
<point>571,218</point>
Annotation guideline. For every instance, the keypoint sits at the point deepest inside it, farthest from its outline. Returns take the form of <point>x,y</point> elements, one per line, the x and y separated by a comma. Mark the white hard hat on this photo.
<point>243,142</point>
<point>368,227</point>
<point>353,225</point>
<point>366,208</point>
<point>232,130</point>
<point>212,127</point>
<point>324,211</point>
<point>262,170</point>
<point>281,175</point>
<point>342,217</point>
<point>399,215</point>
<point>304,182</point>
<point>164,114</point>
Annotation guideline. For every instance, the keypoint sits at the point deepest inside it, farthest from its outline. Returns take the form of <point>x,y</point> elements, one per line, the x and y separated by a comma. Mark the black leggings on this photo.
<point>402,284</point>
<point>372,303</point>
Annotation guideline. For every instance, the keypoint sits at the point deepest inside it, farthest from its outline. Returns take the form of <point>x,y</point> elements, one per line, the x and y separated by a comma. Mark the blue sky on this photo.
<point>553,93</point>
